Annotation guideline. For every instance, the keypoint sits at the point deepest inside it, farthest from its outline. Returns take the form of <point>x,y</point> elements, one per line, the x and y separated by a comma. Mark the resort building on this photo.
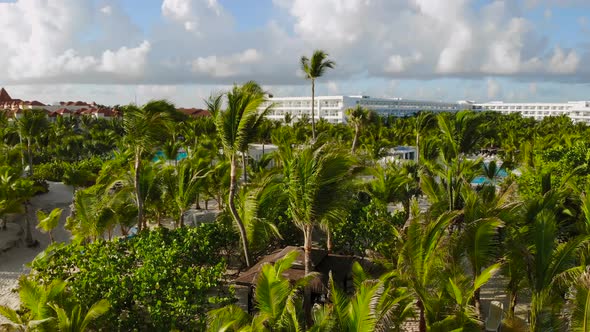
<point>14,108</point>
<point>333,108</point>
<point>578,111</point>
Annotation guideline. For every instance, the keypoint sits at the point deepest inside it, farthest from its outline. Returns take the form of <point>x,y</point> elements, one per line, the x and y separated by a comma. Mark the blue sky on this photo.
<point>114,50</point>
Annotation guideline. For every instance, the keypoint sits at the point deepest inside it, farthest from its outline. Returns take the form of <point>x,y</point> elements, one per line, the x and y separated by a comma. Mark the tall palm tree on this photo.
<point>315,68</point>
<point>422,122</point>
<point>421,259</point>
<point>358,118</point>
<point>31,125</point>
<point>182,185</point>
<point>145,128</point>
<point>316,180</point>
<point>235,127</point>
<point>48,221</point>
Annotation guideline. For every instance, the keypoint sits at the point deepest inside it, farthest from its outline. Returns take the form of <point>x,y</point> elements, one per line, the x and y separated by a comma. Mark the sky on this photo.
<point>131,51</point>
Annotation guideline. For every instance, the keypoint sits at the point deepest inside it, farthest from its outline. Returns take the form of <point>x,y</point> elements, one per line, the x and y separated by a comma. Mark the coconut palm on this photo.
<point>548,261</point>
<point>422,123</point>
<point>145,128</point>
<point>90,215</point>
<point>316,180</point>
<point>48,221</point>
<point>257,205</point>
<point>75,319</point>
<point>421,259</point>
<point>36,299</point>
<point>315,68</point>
<point>235,127</point>
<point>484,214</point>
<point>182,184</point>
<point>376,305</point>
<point>30,126</point>
<point>358,118</point>
<point>50,308</point>
<point>579,305</point>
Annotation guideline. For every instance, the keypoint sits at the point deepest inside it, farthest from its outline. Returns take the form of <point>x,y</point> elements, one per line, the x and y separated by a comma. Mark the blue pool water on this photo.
<point>160,155</point>
<point>482,179</point>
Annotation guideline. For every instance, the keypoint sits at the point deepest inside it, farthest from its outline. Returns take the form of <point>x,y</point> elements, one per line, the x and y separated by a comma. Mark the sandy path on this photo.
<point>12,262</point>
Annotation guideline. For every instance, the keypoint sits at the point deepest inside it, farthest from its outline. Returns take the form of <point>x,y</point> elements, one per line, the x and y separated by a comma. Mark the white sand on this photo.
<point>12,262</point>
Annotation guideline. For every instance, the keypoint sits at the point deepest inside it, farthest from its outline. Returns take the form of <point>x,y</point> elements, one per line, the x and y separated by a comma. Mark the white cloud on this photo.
<point>563,63</point>
<point>225,66</point>
<point>194,15</point>
<point>126,61</point>
<point>72,41</point>
<point>398,63</point>
<point>107,10</point>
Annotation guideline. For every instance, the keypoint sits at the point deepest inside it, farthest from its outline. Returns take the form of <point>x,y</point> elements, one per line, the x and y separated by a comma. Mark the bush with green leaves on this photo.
<point>158,280</point>
<point>369,226</point>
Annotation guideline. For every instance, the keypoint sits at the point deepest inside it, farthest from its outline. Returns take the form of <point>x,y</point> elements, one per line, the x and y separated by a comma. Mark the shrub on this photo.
<point>158,280</point>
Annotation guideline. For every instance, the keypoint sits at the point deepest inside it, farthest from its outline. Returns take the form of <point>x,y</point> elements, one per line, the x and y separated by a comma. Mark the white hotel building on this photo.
<point>578,111</point>
<point>333,108</point>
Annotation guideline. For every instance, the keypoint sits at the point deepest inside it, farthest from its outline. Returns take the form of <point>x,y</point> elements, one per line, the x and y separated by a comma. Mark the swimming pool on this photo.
<point>160,155</point>
<point>500,174</point>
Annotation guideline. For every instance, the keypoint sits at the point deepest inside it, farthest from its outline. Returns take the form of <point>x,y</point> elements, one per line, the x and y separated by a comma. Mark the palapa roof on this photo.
<point>322,262</point>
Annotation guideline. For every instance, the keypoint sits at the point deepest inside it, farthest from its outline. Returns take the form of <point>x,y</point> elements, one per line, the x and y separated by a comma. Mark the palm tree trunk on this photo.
<point>22,151</point>
<point>329,244</point>
<point>234,211</point>
<point>30,155</point>
<point>418,149</point>
<point>422,324</point>
<point>312,110</point>
<point>512,298</point>
<point>181,219</point>
<point>244,164</point>
<point>138,191</point>
<point>477,302</point>
<point>354,140</point>
<point>28,233</point>
<point>307,233</point>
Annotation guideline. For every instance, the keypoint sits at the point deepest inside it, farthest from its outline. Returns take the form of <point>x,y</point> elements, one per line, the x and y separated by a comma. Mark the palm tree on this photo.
<point>36,298</point>
<point>579,305</point>
<point>145,127</point>
<point>316,180</point>
<point>47,222</point>
<point>422,122</point>
<point>376,305</point>
<point>76,320</point>
<point>50,309</point>
<point>548,260</point>
<point>30,126</point>
<point>421,259</point>
<point>358,117</point>
<point>235,127</point>
<point>90,215</point>
<point>315,68</point>
<point>182,185</point>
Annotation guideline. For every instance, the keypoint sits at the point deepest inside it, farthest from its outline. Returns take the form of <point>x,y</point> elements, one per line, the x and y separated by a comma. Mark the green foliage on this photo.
<point>157,280</point>
<point>368,228</point>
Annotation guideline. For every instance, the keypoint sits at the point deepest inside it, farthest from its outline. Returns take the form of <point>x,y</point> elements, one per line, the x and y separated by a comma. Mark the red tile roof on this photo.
<point>4,96</point>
